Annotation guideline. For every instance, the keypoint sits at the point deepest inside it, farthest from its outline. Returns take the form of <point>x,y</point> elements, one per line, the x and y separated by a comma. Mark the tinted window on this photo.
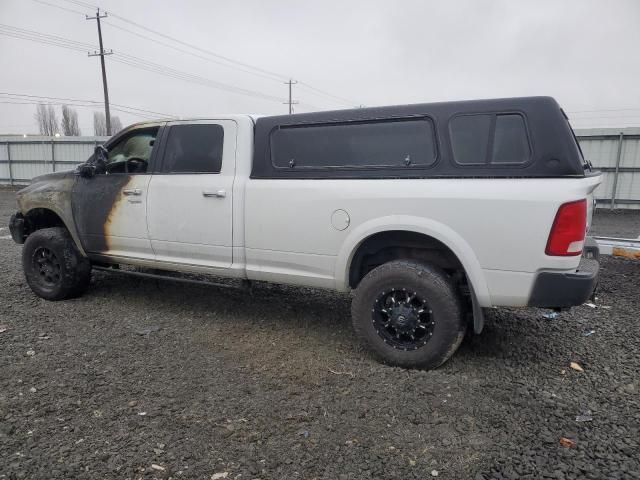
<point>194,149</point>
<point>470,138</point>
<point>510,143</point>
<point>392,143</point>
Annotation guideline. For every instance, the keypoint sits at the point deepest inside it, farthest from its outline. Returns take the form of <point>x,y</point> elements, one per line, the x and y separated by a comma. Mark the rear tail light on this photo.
<point>569,228</point>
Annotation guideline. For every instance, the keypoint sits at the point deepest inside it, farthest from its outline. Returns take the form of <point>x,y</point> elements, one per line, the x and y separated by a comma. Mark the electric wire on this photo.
<point>137,114</point>
<point>242,66</point>
<point>132,61</point>
<point>97,102</point>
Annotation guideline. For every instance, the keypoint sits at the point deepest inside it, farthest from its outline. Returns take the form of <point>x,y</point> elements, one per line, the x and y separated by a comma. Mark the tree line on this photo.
<point>49,125</point>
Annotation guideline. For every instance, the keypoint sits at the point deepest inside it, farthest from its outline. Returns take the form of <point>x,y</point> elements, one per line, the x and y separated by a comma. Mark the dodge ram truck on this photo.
<point>427,213</point>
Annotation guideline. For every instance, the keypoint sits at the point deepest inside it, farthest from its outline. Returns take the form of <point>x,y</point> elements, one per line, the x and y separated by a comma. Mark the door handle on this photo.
<point>216,194</point>
<point>132,191</point>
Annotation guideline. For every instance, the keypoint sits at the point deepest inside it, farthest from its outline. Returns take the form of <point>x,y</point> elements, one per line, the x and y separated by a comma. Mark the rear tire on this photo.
<point>53,266</point>
<point>408,314</point>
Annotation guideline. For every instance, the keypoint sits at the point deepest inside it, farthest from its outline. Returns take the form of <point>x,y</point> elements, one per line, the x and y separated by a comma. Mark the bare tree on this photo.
<point>47,119</point>
<point>54,126</point>
<point>69,122</point>
<point>116,125</point>
<point>99,124</point>
<point>40,116</point>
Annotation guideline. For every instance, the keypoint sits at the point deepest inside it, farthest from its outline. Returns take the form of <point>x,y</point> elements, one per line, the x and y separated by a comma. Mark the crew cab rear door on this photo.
<point>190,204</point>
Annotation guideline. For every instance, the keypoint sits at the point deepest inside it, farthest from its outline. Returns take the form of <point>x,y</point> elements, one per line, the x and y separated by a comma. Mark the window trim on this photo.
<point>492,135</point>
<point>165,141</point>
<point>306,168</point>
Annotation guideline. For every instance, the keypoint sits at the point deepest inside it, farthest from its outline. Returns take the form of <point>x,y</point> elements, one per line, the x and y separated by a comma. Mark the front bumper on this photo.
<point>17,228</point>
<point>563,290</point>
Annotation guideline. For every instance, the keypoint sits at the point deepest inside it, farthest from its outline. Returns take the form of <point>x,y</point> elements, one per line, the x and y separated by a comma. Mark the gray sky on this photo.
<point>584,53</point>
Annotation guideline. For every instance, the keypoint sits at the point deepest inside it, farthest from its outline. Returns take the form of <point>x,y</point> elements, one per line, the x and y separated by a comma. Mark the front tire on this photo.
<point>408,314</point>
<point>53,266</point>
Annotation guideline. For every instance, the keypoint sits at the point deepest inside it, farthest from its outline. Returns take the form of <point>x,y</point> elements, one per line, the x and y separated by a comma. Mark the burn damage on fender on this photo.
<point>84,206</point>
<point>46,202</point>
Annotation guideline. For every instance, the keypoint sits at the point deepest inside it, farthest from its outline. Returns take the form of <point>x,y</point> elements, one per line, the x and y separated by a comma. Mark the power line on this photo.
<point>60,7</point>
<point>24,31</point>
<point>40,38</point>
<point>182,50</point>
<point>132,61</point>
<point>32,102</point>
<point>137,62</point>
<point>73,105</point>
<point>341,100</point>
<point>317,91</point>
<point>245,67</point>
<point>29,96</point>
<point>274,75</point>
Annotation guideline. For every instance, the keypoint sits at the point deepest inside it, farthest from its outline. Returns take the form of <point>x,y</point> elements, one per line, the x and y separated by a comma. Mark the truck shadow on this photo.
<point>512,337</point>
<point>275,302</point>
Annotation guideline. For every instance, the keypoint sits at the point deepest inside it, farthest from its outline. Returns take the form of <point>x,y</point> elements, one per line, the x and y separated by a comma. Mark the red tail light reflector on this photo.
<point>566,237</point>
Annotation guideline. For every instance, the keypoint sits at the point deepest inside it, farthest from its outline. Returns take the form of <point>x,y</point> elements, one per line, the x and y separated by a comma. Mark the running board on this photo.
<point>619,247</point>
<point>245,285</point>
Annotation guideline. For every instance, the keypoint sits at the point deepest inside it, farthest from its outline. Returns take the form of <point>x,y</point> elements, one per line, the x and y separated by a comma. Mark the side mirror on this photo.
<point>101,153</point>
<point>86,170</point>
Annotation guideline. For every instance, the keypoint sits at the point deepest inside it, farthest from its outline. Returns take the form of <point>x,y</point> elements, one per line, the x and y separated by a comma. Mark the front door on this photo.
<point>190,202</point>
<point>110,208</point>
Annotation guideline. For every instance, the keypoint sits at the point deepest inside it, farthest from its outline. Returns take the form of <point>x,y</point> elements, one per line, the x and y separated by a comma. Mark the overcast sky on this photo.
<point>584,53</point>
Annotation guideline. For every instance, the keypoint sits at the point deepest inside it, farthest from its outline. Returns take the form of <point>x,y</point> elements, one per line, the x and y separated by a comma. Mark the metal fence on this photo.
<point>615,152</point>
<point>22,158</point>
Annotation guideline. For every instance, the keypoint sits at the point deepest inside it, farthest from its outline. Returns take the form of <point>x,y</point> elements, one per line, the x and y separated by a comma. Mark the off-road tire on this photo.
<point>444,303</point>
<point>53,266</point>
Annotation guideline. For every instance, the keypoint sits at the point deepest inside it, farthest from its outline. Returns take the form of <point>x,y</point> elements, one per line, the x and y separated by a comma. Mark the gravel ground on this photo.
<point>146,379</point>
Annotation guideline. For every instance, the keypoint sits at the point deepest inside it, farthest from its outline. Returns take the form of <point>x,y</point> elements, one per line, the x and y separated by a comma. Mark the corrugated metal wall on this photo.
<point>22,158</point>
<point>615,152</point>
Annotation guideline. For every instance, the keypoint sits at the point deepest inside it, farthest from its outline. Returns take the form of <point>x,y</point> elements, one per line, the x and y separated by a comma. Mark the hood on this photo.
<point>47,184</point>
<point>52,176</point>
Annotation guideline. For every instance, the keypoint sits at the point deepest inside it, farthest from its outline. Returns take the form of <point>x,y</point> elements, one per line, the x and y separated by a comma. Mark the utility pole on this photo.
<point>101,54</point>
<point>291,102</point>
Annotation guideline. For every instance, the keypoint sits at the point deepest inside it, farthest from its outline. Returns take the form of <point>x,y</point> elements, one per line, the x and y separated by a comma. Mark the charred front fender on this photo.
<point>53,193</point>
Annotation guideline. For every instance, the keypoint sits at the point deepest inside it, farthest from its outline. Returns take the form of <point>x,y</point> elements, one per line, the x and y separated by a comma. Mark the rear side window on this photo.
<point>194,149</point>
<point>490,139</point>
<point>359,145</point>
<point>510,142</point>
<point>470,138</point>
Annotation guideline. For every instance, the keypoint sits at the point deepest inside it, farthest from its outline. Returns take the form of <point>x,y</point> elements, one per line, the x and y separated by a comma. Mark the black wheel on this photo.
<point>53,267</point>
<point>408,314</point>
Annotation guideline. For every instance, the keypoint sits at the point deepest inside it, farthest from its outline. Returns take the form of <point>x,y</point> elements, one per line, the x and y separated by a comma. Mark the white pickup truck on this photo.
<point>428,213</point>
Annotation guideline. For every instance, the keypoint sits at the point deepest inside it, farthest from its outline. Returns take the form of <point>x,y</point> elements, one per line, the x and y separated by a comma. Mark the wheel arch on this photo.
<point>41,216</point>
<point>430,230</point>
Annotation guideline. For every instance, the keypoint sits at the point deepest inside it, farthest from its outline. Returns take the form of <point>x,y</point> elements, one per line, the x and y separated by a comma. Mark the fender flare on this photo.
<point>425,226</point>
